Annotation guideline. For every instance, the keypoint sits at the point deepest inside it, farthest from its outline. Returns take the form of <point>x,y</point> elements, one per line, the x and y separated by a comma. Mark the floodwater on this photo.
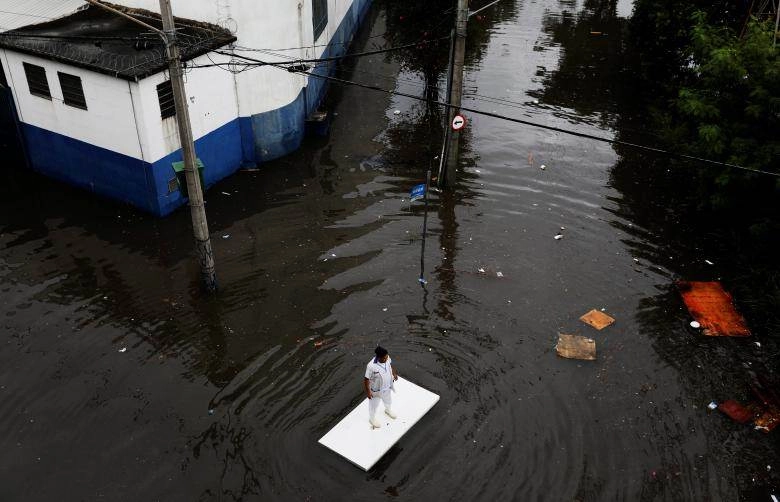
<point>121,380</point>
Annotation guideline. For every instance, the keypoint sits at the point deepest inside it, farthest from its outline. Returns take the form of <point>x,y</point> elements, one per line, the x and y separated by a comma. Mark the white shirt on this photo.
<point>380,375</point>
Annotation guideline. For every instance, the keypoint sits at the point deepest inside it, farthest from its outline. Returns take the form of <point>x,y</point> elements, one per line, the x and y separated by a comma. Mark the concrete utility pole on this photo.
<point>456,91</point>
<point>200,226</point>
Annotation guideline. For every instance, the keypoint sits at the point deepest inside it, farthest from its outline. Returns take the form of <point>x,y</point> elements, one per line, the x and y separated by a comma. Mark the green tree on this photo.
<point>730,104</point>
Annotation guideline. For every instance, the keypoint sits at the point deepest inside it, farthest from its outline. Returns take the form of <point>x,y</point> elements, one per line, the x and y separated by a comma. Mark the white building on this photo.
<point>90,97</point>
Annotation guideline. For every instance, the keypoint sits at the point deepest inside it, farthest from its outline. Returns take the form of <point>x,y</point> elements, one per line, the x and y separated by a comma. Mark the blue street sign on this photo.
<point>418,192</point>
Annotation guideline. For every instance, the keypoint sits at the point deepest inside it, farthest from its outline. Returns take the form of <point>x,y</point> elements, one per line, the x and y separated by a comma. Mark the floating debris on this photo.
<point>576,347</point>
<point>542,167</point>
<point>481,270</point>
<point>713,405</point>
<point>597,319</point>
<point>227,193</point>
<point>558,237</point>
<point>397,112</point>
<point>123,350</point>
<point>226,236</point>
<point>499,274</point>
<point>713,308</point>
<point>736,411</point>
<point>695,325</point>
<point>768,421</point>
<point>708,262</point>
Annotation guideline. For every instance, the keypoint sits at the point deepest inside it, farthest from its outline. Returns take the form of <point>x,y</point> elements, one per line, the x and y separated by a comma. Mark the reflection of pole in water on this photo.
<point>425,227</point>
<point>448,242</point>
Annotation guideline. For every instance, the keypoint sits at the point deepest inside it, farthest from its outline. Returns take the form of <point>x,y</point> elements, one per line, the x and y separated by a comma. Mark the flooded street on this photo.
<point>121,380</point>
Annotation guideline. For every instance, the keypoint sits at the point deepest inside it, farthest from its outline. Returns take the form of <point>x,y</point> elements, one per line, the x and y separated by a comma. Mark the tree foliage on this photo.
<point>730,104</point>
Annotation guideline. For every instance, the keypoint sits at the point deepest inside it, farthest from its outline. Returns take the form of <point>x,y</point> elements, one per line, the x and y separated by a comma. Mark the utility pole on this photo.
<point>197,208</point>
<point>456,90</point>
<point>200,225</point>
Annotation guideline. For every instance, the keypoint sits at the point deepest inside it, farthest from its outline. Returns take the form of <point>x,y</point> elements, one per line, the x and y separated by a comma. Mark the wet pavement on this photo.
<point>121,380</point>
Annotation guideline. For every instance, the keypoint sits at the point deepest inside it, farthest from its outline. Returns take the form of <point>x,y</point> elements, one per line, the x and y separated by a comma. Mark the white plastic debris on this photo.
<point>695,325</point>
<point>397,112</point>
<point>226,236</point>
<point>708,262</point>
<point>542,167</point>
<point>558,237</point>
<point>774,498</point>
<point>123,350</point>
<point>333,255</point>
<point>226,193</point>
<point>384,309</point>
<point>536,101</point>
<point>713,405</point>
<point>499,274</point>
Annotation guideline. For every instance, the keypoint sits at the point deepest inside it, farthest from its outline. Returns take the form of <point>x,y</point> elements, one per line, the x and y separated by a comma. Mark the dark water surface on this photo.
<point>120,380</point>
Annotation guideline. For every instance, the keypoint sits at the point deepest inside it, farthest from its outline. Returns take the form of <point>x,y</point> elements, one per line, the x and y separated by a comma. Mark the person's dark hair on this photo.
<point>380,351</point>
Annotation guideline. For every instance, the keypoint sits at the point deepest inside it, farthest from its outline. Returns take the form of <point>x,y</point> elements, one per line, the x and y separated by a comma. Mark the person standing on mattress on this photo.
<point>378,383</point>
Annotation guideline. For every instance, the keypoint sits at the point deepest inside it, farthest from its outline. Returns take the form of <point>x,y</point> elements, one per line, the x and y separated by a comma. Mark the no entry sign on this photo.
<point>458,122</point>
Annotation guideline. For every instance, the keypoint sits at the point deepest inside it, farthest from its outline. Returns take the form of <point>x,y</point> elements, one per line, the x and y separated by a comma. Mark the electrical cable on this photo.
<point>529,123</point>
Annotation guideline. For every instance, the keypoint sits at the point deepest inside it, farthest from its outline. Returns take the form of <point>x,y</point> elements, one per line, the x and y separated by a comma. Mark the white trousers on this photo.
<point>385,396</point>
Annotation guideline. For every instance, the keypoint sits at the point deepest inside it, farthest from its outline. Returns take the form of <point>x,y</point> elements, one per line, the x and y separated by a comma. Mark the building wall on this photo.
<point>108,103</point>
<point>213,108</point>
<point>121,148</point>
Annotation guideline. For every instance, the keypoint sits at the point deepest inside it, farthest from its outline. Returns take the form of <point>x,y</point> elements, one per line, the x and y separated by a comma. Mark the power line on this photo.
<point>354,54</point>
<point>601,139</point>
<point>24,14</point>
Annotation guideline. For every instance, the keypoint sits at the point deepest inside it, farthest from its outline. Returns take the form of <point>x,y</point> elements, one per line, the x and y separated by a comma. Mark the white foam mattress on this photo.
<point>354,439</point>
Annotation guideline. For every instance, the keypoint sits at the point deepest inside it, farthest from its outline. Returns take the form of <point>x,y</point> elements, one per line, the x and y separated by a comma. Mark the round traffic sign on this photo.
<point>458,122</point>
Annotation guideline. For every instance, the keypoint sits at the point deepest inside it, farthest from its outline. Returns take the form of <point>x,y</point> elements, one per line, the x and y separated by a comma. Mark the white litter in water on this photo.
<point>713,405</point>
<point>695,325</point>
<point>481,270</point>
<point>536,101</point>
<point>384,309</point>
<point>758,344</point>
<point>499,274</point>
<point>558,237</point>
<point>123,349</point>
<point>333,255</point>
<point>226,193</point>
<point>397,112</point>
<point>636,260</point>
<point>708,262</point>
<point>542,167</point>
<point>226,236</point>
<point>774,498</point>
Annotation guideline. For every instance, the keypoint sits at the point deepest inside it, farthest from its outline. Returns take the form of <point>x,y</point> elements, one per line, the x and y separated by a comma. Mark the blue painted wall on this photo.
<point>281,131</point>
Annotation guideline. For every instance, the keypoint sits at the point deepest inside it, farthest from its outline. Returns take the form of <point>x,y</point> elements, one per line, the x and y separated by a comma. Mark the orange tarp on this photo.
<point>713,308</point>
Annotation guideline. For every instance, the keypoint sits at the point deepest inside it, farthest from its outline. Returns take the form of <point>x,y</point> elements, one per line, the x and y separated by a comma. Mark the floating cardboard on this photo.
<point>713,308</point>
<point>354,439</point>
<point>576,347</point>
<point>597,319</point>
